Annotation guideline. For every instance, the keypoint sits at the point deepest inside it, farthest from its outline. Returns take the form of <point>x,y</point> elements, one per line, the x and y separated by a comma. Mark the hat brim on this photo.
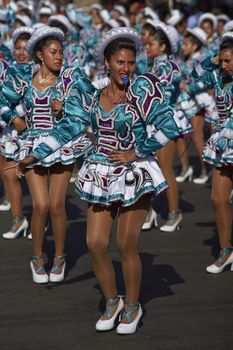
<point>42,33</point>
<point>172,42</point>
<point>21,30</point>
<point>203,41</point>
<point>113,34</point>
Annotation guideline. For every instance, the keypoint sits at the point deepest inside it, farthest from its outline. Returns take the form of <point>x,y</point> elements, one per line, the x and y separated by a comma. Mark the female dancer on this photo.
<point>162,44</point>
<point>217,73</point>
<point>8,143</point>
<point>204,107</point>
<point>110,185</point>
<point>47,180</point>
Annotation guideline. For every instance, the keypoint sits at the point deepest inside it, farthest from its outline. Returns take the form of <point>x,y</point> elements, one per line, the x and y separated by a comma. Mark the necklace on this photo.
<point>44,80</point>
<point>120,99</point>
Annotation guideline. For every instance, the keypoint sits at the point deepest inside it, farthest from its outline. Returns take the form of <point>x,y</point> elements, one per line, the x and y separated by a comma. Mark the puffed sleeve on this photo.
<point>76,99</point>
<point>147,96</point>
<point>203,72</point>
<point>169,76</point>
<point>18,78</point>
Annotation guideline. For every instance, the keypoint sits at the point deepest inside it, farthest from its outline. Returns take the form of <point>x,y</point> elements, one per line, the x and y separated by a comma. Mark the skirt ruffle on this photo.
<point>67,154</point>
<point>107,184</point>
<point>206,102</point>
<point>218,150</point>
<point>9,142</point>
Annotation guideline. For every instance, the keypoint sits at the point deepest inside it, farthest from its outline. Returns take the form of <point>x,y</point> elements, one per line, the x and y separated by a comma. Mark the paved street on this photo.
<point>184,308</point>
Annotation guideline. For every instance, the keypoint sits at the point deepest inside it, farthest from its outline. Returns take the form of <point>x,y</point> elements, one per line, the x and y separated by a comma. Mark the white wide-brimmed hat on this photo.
<point>223,17</point>
<point>199,33</point>
<point>56,19</point>
<point>120,9</point>
<point>96,7</point>
<point>170,32</point>
<point>227,36</point>
<point>21,30</point>
<point>113,34</point>
<point>175,18</point>
<point>228,26</point>
<point>125,21</point>
<point>208,16</point>
<point>3,16</point>
<point>45,11</point>
<point>24,19</point>
<point>148,11</point>
<point>42,33</point>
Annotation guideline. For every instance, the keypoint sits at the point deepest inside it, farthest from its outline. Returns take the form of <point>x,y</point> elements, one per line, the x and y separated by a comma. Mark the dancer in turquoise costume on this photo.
<point>36,92</point>
<point>5,204</point>
<point>9,145</point>
<point>163,43</point>
<point>112,183</point>
<point>217,72</point>
<point>202,103</point>
<point>208,22</point>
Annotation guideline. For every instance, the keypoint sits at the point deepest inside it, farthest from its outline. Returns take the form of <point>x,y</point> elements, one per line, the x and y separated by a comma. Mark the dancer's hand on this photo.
<point>20,166</point>
<point>57,107</point>
<point>122,157</point>
<point>19,124</point>
<point>215,59</point>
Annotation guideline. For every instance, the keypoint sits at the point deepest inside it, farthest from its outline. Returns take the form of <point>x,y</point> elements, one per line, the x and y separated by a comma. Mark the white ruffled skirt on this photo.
<point>206,102</point>
<point>107,184</point>
<point>67,154</point>
<point>218,150</point>
<point>9,142</point>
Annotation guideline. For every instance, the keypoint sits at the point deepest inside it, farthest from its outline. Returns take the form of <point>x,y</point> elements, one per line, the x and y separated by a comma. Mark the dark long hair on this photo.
<point>117,45</point>
<point>41,44</point>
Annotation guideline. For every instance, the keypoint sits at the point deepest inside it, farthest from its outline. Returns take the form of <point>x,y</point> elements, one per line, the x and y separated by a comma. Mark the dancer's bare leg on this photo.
<point>130,223</point>
<point>222,180</point>
<point>59,180</point>
<point>99,224</point>
<point>166,158</point>
<point>37,179</point>
<point>14,191</point>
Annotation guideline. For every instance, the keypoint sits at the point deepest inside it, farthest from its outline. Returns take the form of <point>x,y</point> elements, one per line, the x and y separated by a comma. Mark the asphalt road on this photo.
<point>184,307</point>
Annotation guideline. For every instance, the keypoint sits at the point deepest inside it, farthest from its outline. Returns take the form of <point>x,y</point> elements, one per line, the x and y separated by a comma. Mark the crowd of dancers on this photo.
<point>126,92</point>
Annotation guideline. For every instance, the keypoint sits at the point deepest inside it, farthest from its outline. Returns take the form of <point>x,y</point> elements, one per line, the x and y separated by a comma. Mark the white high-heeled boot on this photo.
<point>173,222</point>
<point>131,327</point>
<point>58,277</point>
<point>36,268</point>
<point>108,324</point>
<point>22,230</point>
<point>185,174</point>
<point>5,205</point>
<point>218,269</point>
<point>150,220</point>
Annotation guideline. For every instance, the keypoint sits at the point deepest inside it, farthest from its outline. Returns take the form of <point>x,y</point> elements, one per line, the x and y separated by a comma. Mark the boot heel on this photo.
<point>190,177</point>
<point>150,220</point>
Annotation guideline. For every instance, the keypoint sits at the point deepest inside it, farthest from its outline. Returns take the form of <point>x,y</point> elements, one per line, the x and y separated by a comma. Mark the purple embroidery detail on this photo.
<point>41,100</point>
<point>107,133</point>
<point>104,151</point>
<point>118,170</point>
<point>105,123</point>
